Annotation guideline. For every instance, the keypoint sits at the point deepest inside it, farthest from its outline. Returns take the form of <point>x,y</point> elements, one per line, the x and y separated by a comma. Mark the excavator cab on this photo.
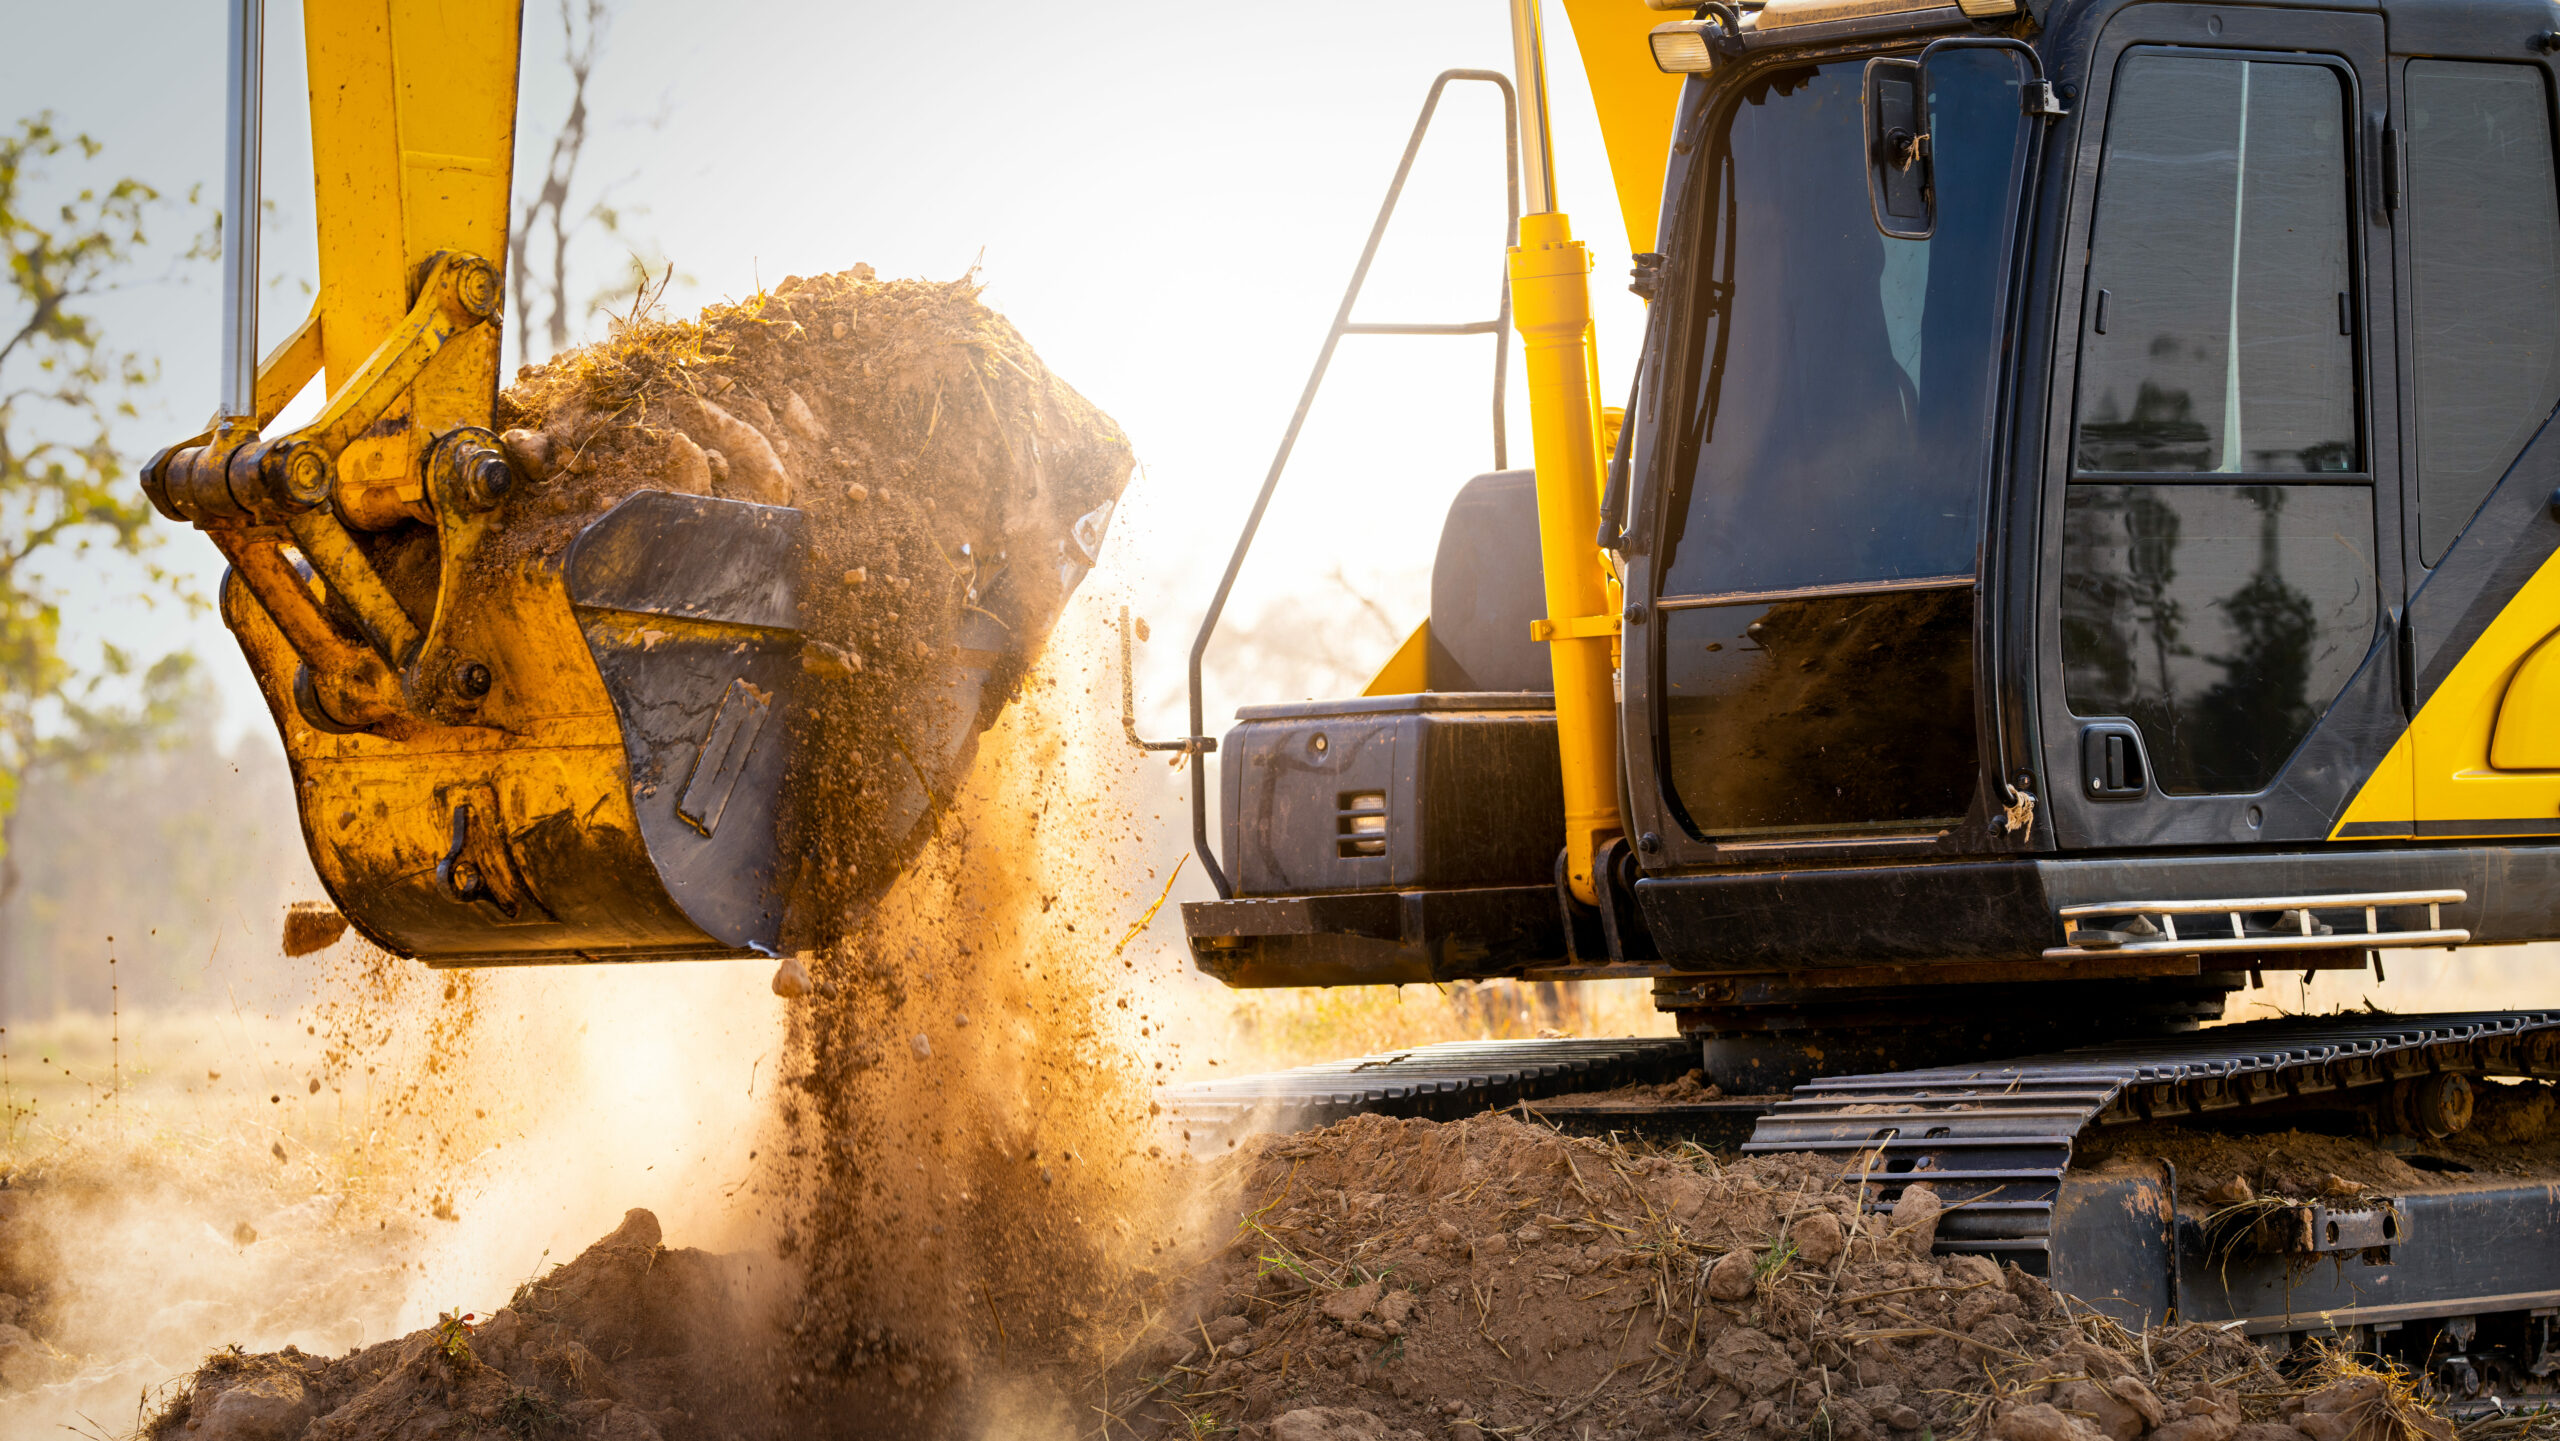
<point>2082,538</point>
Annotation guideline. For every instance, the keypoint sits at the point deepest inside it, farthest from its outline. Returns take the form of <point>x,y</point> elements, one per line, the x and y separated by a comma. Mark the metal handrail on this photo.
<point>1198,744</point>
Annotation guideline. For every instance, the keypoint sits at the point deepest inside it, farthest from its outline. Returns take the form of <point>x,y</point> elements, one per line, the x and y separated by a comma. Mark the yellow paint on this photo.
<point>412,145</point>
<point>1638,105</point>
<point>1583,627</point>
<point>1408,671</point>
<point>2527,737</point>
<point>2388,798</point>
<point>2441,772</point>
<point>355,153</point>
<point>1551,303</point>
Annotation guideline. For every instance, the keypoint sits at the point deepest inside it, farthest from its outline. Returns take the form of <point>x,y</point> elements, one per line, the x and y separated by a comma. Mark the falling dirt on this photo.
<point>975,1185</point>
<point>312,926</point>
<point>962,1163</point>
<point>972,1210</point>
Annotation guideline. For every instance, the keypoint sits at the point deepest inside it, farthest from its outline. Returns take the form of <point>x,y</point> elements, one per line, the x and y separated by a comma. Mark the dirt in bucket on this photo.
<point>954,491</point>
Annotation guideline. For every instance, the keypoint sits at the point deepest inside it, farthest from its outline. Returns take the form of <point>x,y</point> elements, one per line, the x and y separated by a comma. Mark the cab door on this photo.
<point>2221,526</point>
<point>1805,675</point>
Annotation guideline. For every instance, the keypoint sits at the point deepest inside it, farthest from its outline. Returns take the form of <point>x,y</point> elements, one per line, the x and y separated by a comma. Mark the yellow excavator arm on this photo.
<point>478,742</point>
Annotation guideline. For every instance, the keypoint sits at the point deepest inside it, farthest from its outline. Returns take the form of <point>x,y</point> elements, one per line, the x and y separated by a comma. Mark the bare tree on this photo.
<point>582,30</point>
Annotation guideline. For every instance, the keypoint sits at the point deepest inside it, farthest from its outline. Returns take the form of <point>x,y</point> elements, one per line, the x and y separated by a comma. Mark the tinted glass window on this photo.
<point>2219,618</point>
<point>2218,275</point>
<point>1841,383</point>
<point>1823,713</point>
<point>2484,228</point>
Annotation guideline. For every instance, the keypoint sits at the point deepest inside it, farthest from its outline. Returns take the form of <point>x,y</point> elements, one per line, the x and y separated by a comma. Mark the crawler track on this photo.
<point>1995,1139</point>
<point>1439,1083</point>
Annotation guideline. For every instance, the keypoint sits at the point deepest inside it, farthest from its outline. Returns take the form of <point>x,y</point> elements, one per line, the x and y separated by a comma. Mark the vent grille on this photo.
<point>1360,824</point>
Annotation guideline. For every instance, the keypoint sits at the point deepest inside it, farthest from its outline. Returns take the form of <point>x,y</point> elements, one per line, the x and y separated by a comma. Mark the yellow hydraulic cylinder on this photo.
<point>1551,302</point>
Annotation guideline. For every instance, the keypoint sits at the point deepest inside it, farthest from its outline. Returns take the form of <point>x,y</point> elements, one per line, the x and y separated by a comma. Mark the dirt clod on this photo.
<point>1915,1220</point>
<point>311,926</point>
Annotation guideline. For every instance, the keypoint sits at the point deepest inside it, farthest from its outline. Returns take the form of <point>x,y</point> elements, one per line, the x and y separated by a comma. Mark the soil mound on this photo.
<point>1394,1279</point>
<point>954,492</point>
<point>630,1341</point>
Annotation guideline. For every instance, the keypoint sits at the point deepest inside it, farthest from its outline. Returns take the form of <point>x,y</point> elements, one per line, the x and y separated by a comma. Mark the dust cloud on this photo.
<point>949,1143</point>
<point>417,1143</point>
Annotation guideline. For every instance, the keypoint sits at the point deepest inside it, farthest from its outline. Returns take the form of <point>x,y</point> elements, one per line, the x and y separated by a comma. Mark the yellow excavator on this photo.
<point>2082,536</point>
<point>2085,532</point>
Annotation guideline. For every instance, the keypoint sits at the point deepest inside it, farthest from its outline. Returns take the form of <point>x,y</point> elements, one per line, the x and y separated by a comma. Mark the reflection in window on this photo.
<point>2220,618</point>
<point>2218,278</point>
<point>1822,714</point>
<point>1842,381</point>
<point>2484,226</point>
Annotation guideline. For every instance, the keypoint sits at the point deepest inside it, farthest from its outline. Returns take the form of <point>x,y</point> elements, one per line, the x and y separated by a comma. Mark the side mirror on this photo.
<point>1898,183</point>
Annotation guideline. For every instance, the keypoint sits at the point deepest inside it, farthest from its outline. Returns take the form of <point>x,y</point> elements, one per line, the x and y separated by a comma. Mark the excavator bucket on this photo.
<point>540,691</point>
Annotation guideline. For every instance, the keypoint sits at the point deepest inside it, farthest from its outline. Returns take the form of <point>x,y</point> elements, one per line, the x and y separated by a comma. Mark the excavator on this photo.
<point>2080,536</point>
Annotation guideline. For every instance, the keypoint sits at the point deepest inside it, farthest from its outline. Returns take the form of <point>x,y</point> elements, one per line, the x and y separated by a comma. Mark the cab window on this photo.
<point>2484,240</point>
<point>1817,584</point>
<point>2218,573</point>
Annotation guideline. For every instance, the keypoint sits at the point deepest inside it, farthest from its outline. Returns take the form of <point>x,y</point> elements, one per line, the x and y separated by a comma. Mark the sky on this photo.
<point>1167,200</point>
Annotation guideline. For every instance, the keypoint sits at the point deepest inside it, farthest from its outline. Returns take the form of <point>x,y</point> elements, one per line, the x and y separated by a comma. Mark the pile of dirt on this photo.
<point>954,492</point>
<point>1386,1281</point>
<point>1396,1279</point>
<point>1686,1090</point>
<point>631,1341</point>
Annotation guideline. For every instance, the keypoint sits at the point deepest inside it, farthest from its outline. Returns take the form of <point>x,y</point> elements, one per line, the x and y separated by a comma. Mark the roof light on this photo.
<point>1685,47</point>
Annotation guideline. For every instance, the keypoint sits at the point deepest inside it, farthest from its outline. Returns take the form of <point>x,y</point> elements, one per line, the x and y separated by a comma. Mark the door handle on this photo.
<point>2112,764</point>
